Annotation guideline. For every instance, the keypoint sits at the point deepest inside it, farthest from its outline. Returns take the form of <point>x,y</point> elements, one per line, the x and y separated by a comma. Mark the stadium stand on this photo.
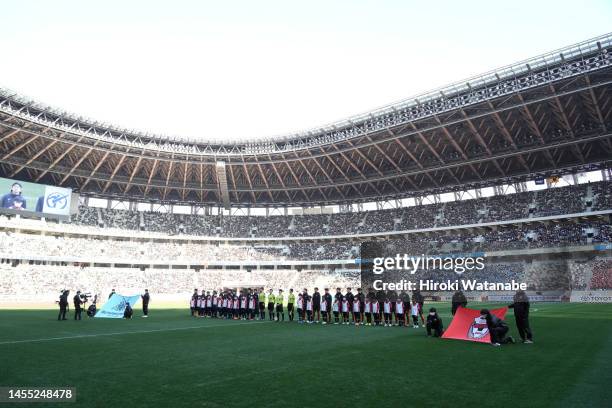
<point>16,244</point>
<point>549,202</point>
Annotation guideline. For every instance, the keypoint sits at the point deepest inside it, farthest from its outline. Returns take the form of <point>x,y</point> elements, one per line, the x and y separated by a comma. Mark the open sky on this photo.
<point>240,69</point>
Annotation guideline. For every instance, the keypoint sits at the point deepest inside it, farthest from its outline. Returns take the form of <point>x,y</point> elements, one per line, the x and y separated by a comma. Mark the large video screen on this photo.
<point>20,196</point>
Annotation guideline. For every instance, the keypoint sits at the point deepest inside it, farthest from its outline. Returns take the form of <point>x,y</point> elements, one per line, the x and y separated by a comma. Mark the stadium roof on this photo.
<point>546,115</point>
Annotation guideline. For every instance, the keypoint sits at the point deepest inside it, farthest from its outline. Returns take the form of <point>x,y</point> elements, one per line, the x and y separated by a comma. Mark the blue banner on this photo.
<point>115,306</point>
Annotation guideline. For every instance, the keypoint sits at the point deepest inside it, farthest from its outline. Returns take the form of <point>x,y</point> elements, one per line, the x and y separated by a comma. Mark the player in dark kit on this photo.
<point>316,305</point>
<point>145,303</point>
<point>360,297</point>
<point>63,305</point>
<point>420,299</point>
<point>521,315</point>
<point>350,298</point>
<point>77,305</point>
<point>338,295</point>
<point>327,297</point>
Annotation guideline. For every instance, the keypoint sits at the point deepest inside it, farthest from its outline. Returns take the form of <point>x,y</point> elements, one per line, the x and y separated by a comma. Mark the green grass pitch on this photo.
<point>171,359</point>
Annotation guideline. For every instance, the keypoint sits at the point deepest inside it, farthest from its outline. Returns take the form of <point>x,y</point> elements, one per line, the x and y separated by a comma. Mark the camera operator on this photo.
<point>78,300</point>
<point>91,310</point>
<point>63,305</point>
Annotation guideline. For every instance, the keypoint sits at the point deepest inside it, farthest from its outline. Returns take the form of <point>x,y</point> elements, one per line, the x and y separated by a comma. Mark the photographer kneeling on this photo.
<point>127,314</point>
<point>434,323</point>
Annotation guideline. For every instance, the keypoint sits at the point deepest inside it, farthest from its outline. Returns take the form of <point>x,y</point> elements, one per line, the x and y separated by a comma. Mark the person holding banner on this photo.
<point>497,328</point>
<point>521,314</point>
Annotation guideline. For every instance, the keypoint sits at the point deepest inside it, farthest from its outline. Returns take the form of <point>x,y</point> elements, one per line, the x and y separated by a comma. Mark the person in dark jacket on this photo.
<point>434,323</point>
<point>110,295</point>
<point>63,305</point>
<point>145,303</point>
<point>497,328</point>
<point>521,315</point>
<point>458,299</point>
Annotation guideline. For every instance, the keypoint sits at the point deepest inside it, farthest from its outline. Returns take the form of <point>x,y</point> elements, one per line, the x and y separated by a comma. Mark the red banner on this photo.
<point>467,325</point>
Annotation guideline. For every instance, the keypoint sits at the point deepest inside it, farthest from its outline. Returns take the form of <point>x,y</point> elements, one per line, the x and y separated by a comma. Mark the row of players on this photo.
<point>315,308</point>
<point>364,310</point>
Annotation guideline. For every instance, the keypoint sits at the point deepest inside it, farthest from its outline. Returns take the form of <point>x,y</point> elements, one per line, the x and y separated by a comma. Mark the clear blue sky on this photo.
<point>242,69</point>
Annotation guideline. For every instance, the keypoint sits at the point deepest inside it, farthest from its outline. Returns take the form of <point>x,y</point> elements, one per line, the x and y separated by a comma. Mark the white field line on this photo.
<point>81,336</point>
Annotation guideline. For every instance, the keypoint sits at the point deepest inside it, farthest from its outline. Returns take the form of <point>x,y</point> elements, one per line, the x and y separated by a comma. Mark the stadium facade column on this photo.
<point>575,179</point>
